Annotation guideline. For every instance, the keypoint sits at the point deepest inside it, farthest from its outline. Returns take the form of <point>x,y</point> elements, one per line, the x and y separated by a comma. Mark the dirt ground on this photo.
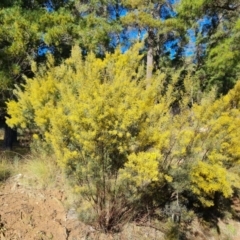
<point>36,214</point>
<point>33,214</point>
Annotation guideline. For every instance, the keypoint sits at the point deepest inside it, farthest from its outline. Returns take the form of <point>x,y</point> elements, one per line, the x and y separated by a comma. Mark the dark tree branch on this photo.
<point>228,7</point>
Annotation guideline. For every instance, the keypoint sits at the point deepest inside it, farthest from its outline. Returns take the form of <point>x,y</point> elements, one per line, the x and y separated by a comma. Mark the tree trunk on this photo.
<point>150,43</point>
<point>10,136</point>
<point>149,65</point>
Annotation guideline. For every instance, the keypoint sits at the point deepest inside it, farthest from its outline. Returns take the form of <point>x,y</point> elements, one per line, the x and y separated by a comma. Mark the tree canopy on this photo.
<point>94,25</point>
<point>218,64</point>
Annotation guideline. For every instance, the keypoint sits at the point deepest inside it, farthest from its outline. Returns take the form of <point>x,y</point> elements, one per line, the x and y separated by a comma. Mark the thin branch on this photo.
<point>228,7</point>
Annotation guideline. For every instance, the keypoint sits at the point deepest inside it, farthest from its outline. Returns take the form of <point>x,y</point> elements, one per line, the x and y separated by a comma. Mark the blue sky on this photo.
<point>49,6</point>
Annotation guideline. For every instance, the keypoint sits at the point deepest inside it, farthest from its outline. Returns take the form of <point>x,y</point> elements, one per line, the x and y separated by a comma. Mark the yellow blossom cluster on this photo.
<point>101,120</point>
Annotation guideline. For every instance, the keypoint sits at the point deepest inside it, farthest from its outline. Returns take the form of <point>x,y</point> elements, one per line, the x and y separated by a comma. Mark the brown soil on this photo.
<point>36,214</point>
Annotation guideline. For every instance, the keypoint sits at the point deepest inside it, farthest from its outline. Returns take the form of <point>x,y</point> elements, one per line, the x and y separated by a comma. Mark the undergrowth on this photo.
<point>5,170</point>
<point>40,172</point>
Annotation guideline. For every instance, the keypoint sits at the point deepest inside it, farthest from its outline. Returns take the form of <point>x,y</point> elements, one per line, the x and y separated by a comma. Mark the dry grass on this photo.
<point>5,169</point>
<point>1,133</point>
<point>40,172</point>
<point>7,165</point>
<point>130,232</point>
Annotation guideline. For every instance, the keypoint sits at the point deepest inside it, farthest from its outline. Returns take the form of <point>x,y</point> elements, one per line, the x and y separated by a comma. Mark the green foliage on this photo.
<point>145,15</point>
<point>18,37</point>
<point>172,232</point>
<point>220,64</point>
<point>96,25</point>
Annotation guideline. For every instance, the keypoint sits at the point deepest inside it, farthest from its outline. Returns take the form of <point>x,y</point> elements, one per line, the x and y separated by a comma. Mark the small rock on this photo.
<point>72,214</point>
